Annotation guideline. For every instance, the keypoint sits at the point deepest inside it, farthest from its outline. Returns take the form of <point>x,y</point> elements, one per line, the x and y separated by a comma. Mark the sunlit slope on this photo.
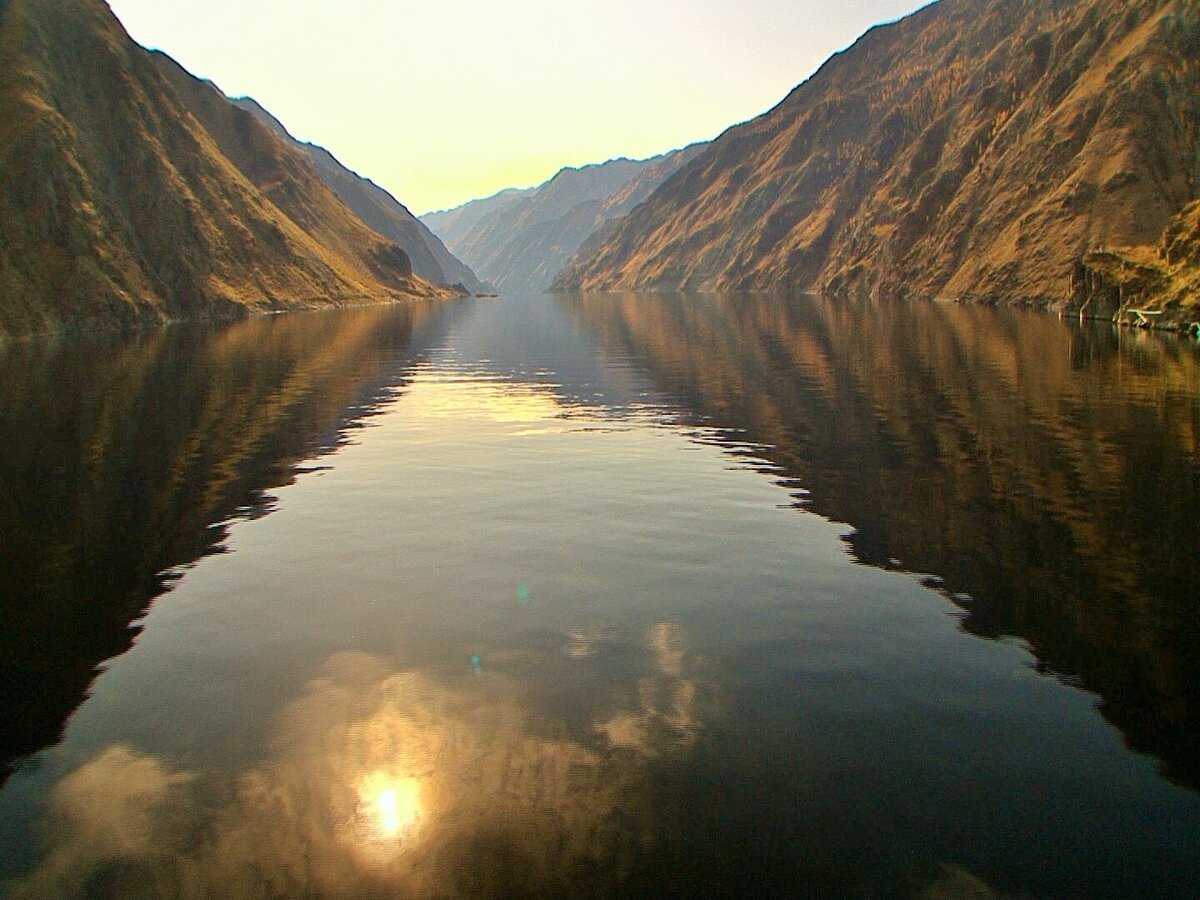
<point>1162,282</point>
<point>976,149</point>
<point>118,205</point>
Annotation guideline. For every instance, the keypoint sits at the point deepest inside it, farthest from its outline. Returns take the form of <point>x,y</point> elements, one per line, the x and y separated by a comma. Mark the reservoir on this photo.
<point>602,595</point>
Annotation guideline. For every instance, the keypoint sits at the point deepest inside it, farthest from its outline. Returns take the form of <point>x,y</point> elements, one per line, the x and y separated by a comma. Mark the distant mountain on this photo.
<point>377,208</point>
<point>976,149</point>
<point>127,196</point>
<point>452,225</point>
<point>520,240</point>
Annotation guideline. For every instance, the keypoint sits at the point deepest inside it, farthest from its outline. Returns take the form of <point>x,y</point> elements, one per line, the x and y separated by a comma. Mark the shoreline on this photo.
<point>93,327</point>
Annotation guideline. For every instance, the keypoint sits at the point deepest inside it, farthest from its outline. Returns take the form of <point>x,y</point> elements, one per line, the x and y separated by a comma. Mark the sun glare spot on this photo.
<point>389,812</point>
<point>392,805</point>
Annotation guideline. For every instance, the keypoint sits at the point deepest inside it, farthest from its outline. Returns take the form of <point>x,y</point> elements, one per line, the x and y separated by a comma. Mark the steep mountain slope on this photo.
<point>521,245</point>
<point>377,208</point>
<point>118,206</point>
<point>543,250</point>
<point>595,221</point>
<point>975,149</point>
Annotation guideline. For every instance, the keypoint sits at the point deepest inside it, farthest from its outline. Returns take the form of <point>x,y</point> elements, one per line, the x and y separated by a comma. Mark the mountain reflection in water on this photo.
<point>562,620</point>
<point>1047,477</point>
<point>125,459</point>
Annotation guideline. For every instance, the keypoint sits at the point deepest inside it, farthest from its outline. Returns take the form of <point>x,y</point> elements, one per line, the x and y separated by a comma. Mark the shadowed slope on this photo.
<point>377,208</point>
<point>452,225</point>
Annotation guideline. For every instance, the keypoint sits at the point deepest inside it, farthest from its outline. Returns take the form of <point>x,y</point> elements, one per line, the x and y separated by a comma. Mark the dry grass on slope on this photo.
<point>975,149</point>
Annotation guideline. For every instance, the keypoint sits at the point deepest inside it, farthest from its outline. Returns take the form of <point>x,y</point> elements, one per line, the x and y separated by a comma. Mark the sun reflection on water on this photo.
<point>382,783</point>
<point>391,806</point>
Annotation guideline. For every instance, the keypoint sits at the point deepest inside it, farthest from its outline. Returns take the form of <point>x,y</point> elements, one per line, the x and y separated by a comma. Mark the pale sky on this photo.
<point>442,101</point>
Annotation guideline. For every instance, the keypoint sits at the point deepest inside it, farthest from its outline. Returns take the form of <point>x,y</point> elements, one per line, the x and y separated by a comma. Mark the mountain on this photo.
<point>522,240</point>
<point>377,208</point>
<point>127,196</point>
<point>975,149</point>
<point>594,220</point>
<point>452,225</point>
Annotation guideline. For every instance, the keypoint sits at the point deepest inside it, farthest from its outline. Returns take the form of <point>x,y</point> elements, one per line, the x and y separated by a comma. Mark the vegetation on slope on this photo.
<point>1146,286</point>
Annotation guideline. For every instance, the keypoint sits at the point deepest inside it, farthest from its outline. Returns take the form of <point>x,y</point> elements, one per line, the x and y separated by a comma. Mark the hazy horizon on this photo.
<point>502,97</point>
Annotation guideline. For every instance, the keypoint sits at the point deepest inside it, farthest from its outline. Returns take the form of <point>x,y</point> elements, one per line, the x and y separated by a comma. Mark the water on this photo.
<point>603,595</point>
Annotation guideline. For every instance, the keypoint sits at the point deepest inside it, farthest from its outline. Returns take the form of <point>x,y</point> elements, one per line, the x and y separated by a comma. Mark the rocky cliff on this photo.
<point>1145,286</point>
<point>976,149</point>
<point>119,205</point>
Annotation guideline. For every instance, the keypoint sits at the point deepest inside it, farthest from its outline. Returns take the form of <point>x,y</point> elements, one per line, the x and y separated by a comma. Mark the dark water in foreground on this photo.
<point>611,595</point>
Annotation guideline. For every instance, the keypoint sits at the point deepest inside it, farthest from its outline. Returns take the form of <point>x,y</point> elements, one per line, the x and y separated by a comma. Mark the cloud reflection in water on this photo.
<point>380,783</point>
<point>665,717</point>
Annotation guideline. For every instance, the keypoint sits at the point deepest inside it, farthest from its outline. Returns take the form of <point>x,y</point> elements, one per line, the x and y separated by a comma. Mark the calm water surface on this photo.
<point>602,596</point>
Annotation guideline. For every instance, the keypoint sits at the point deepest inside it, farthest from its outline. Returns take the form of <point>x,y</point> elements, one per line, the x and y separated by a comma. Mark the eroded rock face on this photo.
<point>976,149</point>
<point>128,195</point>
<point>1157,286</point>
<point>1102,283</point>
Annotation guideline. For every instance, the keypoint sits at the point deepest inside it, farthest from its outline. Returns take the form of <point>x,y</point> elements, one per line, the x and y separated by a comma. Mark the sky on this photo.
<point>443,101</point>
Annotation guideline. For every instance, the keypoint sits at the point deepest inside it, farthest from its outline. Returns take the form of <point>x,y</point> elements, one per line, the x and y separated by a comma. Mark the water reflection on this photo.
<point>664,715</point>
<point>1047,477</point>
<point>545,629</point>
<point>124,460</point>
<point>379,783</point>
<point>390,806</point>
<point>466,395</point>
